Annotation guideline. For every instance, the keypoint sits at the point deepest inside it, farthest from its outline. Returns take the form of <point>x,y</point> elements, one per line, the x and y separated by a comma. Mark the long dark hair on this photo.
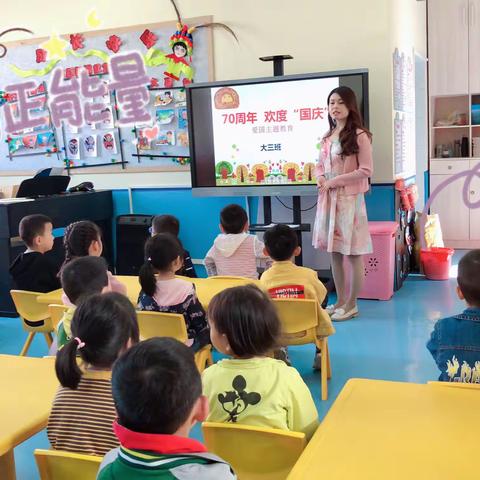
<point>78,237</point>
<point>248,318</point>
<point>104,323</point>
<point>160,251</point>
<point>348,136</point>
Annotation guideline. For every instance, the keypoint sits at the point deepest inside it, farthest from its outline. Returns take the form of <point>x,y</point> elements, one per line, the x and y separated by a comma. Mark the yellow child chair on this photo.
<point>255,453</point>
<point>159,324</point>
<point>35,316</point>
<point>56,313</point>
<point>58,465</point>
<point>299,319</point>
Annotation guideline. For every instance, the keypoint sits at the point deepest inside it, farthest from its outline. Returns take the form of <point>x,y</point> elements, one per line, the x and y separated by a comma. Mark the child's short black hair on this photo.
<point>155,385</point>
<point>83,277</point>
<point>32,226</point>
<point>468,277</point>
<point>248,318</point>
<point>233,218</point>
<point>280,242</point>
<point>166,224</point>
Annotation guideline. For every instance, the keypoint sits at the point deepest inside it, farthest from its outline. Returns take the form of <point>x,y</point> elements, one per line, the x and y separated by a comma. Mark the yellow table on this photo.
<point>206,288</point>
<point>389,430</point>
<point>28,387</point>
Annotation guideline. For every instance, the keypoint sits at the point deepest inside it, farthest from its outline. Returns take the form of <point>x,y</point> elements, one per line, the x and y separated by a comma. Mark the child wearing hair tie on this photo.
<point>103,327</point>
<point>163,292</point>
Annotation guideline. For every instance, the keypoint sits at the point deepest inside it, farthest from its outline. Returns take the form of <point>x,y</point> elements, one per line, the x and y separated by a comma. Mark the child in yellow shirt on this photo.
<point>251,388</point>
<point>284,279</point>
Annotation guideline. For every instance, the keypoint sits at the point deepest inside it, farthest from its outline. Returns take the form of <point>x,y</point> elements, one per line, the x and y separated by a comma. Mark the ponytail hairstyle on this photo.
<point>78,237</point>
<point>348,136</point>
<point>101,327</point>
<point>160,251</point>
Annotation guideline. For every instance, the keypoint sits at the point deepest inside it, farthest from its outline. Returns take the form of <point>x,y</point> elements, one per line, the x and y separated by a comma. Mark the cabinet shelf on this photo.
<point>453,126</point>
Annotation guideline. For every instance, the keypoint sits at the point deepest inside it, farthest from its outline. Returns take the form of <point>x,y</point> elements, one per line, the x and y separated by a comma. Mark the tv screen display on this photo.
<point>262,136</point>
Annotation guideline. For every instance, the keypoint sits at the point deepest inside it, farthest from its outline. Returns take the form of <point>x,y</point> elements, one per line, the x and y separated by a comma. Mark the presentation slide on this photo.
<point>269,133</point>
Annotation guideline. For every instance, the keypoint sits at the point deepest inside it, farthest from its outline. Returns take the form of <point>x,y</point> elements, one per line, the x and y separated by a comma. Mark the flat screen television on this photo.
<point>261,136</point>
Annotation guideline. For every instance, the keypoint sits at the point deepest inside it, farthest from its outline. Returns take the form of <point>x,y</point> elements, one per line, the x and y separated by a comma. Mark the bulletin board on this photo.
<point>158,145</point>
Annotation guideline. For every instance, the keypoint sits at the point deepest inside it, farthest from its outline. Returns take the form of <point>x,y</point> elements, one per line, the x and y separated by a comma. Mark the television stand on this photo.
<point>295,225</point>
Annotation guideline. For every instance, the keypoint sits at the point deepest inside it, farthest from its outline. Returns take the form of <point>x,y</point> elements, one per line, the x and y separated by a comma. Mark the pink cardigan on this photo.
<point>355,172</point>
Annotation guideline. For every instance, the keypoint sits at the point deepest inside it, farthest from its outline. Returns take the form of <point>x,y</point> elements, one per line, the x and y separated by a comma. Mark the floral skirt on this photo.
<point>341,224</point>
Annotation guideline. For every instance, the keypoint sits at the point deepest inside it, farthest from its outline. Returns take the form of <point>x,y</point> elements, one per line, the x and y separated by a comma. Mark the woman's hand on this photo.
<point>320,181</point>
<point>325,186</point>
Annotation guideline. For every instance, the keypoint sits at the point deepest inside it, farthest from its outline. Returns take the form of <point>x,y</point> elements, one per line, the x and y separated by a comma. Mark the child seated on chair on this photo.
<point>82,239</point>
<point>82,415</point>
<point>284,279</point>
<point>81,278</point>
<point>455,341</point>
<point>158,396</point>
<point>170,224</point>
<point>32,270</point>
<point>235,252</point>
<point>252,388</point>
<point>163,292</point>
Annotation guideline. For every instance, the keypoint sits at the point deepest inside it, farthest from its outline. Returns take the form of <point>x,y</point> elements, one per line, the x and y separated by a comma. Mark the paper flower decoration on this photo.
<point>76,41</point>
<point>148,38</point>
<point>41,55</point>
<point>113,43</point>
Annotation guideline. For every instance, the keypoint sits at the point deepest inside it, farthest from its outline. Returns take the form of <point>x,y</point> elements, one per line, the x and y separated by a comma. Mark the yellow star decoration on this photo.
<point>55,47</point>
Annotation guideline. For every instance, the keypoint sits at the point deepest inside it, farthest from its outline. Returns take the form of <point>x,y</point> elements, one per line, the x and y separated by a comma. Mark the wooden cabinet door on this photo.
<point>474,196</point>
<point>448,46</point>
<point>474,46</point>
<point>448,203</point>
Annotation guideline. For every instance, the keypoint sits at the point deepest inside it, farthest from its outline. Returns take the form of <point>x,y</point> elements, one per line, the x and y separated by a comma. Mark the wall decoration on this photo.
<point>81,79</point>
<point>90,145</point>
<point>73,148</point>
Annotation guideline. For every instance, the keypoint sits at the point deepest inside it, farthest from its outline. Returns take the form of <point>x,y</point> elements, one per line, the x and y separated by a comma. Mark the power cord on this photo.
<point>302,209</point>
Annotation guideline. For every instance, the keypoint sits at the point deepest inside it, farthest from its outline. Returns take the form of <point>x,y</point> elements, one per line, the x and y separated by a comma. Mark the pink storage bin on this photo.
<point>379,265</point>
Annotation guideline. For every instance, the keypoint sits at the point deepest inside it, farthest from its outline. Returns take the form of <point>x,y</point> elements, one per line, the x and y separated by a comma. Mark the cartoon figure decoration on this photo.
<point>236,401</point>
<point>178,63</point>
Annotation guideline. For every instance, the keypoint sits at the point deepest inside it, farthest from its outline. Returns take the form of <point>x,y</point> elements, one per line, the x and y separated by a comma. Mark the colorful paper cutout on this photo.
<point>114,43</point>
<point>44,139</point>
<point>148,38</point>
<point>109,143</point>
<point>73,148</point>
<point>164,117</point>
<point>76,41</point>
<point>90,145</point>
<point>182,118</point>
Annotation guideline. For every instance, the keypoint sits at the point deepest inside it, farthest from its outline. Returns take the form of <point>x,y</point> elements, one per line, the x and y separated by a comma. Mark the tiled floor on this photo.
<point>386,342</point>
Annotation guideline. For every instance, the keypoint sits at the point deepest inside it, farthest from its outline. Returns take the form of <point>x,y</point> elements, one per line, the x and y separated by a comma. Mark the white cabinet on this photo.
<point>474,46</point>
<point>474,197</point>
<point>448,34</point>
<point>448,202</point>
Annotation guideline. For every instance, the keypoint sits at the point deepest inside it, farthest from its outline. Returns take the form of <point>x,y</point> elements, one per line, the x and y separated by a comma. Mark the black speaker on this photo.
<point>132,233</point>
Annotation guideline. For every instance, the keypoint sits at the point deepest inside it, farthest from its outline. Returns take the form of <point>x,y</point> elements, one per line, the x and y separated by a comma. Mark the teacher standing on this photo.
<point>341,225</point>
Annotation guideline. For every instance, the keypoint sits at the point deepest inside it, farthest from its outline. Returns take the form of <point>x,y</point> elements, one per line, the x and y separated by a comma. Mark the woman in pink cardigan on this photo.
<point>341,225</point>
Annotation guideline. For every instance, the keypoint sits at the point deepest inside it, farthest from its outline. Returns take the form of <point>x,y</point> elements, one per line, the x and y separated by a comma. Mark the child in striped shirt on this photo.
<point>82,416</point>
<point>235,251</point>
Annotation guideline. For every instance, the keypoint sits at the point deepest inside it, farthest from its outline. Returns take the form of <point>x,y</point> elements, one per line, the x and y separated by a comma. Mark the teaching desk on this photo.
<point>28,387</point>
<point>391,430</point>
<point>206,289</point>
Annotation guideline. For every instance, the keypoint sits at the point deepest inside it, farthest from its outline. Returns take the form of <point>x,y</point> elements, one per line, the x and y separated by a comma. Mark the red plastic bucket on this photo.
<point>436,262</point>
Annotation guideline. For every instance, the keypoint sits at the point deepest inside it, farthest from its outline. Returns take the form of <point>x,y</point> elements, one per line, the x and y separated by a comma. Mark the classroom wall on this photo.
<point>319,35</point>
